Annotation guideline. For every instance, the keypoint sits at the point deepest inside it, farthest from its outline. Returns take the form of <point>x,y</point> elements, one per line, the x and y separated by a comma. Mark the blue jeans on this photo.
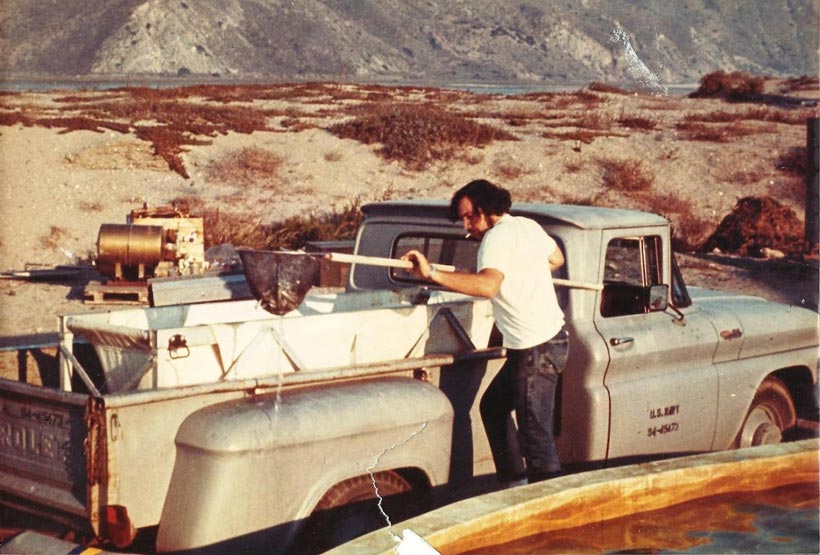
<point>526,383</point>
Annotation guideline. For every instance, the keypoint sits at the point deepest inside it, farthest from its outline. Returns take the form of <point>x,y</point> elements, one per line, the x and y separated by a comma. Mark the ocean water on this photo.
<point>511,88</point>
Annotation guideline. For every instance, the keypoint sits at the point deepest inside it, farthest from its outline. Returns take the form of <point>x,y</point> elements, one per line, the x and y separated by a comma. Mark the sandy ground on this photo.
<point>59,188</point>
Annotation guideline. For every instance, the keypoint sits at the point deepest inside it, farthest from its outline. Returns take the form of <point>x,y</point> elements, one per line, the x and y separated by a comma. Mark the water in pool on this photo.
<point>781,520</point>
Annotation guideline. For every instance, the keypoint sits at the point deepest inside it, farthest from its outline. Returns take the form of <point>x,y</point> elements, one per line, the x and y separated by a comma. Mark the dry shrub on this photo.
<point>296,125</point>
<point>240,93</point>
<point>544,194</point>
<point>333,156</point>
<point>660,103</point>
<point>471,158</point>
<point>586,99</point>
<point>180,116</point>
<point>638,122</point>
<point>585,136</point>
<point>239,229</point>
<point>628,176</point>
<point>584,120</point>
<point>178,120</point>
<point>668,153</point>
<point>757,113</point>
<point>746,177</point>
<point>55,236</point>
<point>167,143</point>
<point>688,231</point>
<point>243,230</point>
<point>88,206</point>
<point>246,167</point>
<point>10,119</point>
<point>573,166</point>
<point>516,121</point>
<point>802,83</point>
<point>509,169</point>
<point>585,199</point>
<point>717,133</point>
<point>517,117</point>
<point>734,86</point>
<point>699,131</point>
<point>579,136</point>
<point>295,232</point>
<point>79,123</point>
<point>794,161</point>
<point>790,188</point>
<point>756,223</point>
<point>592,120</point>
<point>416,135</point>
<point>718,116</point>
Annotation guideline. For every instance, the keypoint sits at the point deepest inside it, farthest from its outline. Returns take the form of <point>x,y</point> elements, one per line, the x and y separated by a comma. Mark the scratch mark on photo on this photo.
<point>373,466</point>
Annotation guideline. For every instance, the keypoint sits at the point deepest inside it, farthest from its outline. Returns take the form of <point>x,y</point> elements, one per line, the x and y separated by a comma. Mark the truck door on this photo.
<point>661,379</point>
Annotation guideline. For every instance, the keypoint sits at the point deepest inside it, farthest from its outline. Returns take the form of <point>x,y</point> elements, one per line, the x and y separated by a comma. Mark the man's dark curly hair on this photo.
<point>488,197</point>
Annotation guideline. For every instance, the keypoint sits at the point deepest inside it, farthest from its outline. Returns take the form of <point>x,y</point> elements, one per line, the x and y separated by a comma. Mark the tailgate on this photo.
<point>42,463</point>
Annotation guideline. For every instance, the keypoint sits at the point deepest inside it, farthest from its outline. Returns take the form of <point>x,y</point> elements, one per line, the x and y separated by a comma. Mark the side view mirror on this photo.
<point>658,298</point>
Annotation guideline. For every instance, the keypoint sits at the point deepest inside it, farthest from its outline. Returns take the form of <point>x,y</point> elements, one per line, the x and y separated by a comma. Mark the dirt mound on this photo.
<point>755,224</point>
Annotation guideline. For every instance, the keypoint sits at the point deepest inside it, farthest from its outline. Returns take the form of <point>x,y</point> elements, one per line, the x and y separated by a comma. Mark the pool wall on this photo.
<point>589,497</point>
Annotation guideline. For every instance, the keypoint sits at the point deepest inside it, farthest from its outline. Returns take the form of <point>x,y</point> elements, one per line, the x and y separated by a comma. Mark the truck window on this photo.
<point>632,265</point>
<point>455,251</point>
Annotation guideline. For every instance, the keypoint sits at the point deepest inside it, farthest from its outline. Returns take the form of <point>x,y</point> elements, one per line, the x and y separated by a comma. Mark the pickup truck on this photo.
<point>220,427</point>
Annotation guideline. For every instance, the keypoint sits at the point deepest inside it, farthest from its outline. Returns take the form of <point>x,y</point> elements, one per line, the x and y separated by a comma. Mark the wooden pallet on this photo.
<point>116,294</point>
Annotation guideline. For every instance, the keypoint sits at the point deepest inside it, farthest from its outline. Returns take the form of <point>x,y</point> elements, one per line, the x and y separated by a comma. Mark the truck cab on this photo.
<point>654,369</point>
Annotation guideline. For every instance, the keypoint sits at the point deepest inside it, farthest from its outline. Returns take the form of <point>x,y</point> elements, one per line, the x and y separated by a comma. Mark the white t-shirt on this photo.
<point>526,308</point>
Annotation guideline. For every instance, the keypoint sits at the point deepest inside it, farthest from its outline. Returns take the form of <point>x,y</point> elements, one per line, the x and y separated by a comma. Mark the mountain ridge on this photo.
<point>554,41</point>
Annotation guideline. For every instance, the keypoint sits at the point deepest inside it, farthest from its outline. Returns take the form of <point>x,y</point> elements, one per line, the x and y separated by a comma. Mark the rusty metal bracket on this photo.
<point>95,447</point>
<point>458,329</point>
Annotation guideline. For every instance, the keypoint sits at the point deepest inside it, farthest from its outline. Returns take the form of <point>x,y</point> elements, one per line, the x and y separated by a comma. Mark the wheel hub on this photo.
<point>760,430</point>
<point>767,434</point>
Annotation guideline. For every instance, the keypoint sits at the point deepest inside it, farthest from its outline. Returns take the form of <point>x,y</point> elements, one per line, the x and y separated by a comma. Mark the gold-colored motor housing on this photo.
<point>127,249</point>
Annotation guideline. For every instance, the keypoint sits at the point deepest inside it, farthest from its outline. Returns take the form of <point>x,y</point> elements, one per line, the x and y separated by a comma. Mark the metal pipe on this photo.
<point>80,371</point>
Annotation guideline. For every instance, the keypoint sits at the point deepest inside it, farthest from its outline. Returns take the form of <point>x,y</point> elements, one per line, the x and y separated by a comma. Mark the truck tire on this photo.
<point>360,488</point>
<point>771,413</point>
<point>349,509</point>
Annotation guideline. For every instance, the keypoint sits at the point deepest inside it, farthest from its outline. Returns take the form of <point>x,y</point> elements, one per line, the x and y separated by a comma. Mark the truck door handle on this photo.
<point>615,341</point>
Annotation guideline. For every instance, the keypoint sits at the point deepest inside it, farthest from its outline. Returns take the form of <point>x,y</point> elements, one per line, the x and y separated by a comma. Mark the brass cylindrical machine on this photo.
<point>125,246</point>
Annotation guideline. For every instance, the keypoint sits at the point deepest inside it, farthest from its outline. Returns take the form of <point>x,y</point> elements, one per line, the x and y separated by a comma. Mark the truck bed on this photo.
<point>68,454</point>
<point>149,348</point>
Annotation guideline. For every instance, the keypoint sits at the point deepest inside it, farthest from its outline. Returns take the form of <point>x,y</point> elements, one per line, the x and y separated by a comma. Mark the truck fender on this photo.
<point>248,472</point>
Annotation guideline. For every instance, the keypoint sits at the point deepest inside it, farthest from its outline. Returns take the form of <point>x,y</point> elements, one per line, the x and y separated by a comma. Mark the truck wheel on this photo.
<point>361,488</point>
<point>772,412</point>
<point>350,510</point>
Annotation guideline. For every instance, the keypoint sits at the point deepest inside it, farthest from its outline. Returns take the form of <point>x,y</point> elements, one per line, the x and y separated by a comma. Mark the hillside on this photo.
<point>410,40</point>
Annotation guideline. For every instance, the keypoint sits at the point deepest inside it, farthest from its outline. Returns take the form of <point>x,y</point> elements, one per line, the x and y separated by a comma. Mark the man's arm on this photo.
<point>485,283</point>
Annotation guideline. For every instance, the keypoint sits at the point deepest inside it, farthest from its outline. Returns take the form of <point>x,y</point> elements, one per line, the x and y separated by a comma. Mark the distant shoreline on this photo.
<point>43,83</point>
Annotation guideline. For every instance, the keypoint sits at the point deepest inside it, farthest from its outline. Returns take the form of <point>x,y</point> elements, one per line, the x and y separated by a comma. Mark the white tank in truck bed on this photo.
<point>171,346</point>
